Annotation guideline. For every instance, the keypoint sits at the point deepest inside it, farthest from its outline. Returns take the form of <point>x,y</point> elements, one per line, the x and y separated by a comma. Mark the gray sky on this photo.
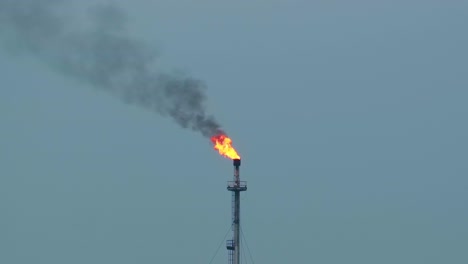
<point>350,119</point>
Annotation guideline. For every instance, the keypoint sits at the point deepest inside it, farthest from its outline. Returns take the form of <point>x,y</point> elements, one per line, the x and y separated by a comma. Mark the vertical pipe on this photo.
<point>237,228</point>
<point>236,212</point>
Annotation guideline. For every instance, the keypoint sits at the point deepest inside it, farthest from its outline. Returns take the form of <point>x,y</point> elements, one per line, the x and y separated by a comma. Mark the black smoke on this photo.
<point>106,57</point>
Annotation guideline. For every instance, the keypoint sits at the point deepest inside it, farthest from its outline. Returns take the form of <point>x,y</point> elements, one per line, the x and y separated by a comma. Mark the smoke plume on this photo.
<point>106,57</point>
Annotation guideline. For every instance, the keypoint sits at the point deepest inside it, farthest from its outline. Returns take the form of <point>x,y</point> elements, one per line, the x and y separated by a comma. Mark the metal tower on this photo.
<point>236,186</point>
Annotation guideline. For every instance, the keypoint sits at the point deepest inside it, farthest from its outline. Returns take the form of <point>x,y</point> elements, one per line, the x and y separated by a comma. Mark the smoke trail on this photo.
<point>106,57</point>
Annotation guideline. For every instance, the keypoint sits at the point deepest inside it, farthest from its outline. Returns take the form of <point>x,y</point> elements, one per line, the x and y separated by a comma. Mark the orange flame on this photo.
<point>222,143</point>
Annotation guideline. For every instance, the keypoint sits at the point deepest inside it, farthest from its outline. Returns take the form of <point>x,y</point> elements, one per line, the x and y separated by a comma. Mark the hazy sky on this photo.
<point>350,117</point>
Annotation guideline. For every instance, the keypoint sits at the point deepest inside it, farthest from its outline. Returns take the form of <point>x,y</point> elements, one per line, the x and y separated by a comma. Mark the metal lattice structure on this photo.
<point>236,187</point>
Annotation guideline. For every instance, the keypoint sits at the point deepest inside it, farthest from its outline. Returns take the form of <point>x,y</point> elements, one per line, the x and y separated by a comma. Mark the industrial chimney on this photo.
<point>236,186</point>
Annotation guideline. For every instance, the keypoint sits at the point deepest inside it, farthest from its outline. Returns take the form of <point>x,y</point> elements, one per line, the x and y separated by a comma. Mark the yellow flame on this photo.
<point>223,144</point>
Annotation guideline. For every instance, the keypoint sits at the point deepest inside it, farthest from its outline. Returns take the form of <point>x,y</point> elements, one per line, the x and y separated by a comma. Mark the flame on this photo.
<point>222,143</point>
